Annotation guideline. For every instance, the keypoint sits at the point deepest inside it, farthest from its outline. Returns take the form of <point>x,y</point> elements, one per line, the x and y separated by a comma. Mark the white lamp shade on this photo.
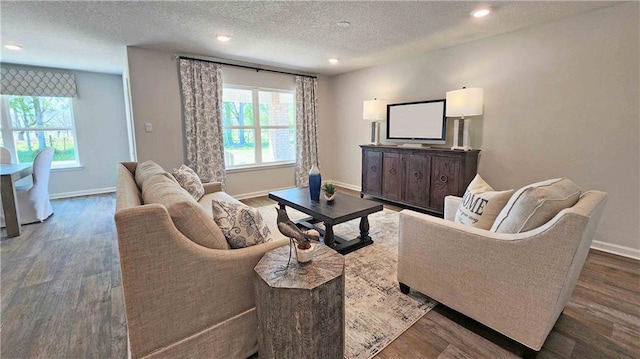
<point>465,102</point>
<point>374,110</point>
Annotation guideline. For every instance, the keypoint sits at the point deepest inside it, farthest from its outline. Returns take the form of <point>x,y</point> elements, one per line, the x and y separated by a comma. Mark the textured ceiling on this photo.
<point>301,36</point>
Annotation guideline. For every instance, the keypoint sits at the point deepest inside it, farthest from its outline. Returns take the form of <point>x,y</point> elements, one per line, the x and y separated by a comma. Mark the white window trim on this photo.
<point>8,133</point>
<point>264,167</point>
<point>259,165</point>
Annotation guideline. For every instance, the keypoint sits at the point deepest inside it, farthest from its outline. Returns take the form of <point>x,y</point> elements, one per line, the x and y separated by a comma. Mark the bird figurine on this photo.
<point>290,230</point>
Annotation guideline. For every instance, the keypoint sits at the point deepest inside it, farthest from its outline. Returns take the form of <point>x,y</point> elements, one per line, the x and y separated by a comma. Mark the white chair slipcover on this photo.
<point>33,202</point>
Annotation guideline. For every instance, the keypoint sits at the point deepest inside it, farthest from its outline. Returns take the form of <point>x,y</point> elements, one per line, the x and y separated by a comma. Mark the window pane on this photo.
<point>47,112</point>
<point>237,107</point>
<point>29,143</point>
<point>239,147</point>
<point>278,145</point>
<point>276,109</point>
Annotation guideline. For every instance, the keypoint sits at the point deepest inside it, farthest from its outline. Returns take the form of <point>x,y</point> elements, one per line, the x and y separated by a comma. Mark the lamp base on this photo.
<point>375,133</point>
<point>461,135</point>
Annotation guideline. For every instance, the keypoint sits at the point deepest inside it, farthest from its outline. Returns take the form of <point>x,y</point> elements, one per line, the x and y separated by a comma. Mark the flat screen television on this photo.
<point>417,122</point>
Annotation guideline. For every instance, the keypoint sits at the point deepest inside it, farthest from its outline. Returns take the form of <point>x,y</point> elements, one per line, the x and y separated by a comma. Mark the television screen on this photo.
<point>423,121</point>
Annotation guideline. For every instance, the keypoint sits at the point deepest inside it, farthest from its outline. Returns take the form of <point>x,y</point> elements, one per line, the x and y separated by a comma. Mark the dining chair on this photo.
<point>33,202</point>
<point>5,156</point>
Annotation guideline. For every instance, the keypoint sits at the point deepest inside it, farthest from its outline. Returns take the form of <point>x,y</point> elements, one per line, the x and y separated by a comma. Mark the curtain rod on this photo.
<point>243,66</point>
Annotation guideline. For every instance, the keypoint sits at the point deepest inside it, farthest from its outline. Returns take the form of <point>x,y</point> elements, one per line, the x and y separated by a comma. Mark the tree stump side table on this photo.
<point>300,309</point>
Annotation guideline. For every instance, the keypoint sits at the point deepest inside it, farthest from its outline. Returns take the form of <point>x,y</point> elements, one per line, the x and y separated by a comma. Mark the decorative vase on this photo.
<point>305,255</point>
<point>315,180</point>
<point>329,197</point>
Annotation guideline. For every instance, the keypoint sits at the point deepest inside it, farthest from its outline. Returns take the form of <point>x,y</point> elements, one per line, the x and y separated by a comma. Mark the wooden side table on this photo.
<point>300,309</point>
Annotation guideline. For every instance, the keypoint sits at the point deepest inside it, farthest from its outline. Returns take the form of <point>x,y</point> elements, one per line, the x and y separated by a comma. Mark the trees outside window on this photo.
<point>31,123</point>
<point>253,116</point>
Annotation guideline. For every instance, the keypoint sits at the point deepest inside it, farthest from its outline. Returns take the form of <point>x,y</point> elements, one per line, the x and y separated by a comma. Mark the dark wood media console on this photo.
<point>418,177</point>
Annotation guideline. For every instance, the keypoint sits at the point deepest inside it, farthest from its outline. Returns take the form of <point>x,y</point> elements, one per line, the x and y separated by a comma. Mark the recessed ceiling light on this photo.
<point>333,60</point>
<point>344,24</point>
<point>481,13</point>
<point>223,38</point>
<point>13,47</point>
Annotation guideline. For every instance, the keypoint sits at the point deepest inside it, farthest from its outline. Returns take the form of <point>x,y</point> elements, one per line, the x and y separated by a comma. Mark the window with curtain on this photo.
<point>36,111</point>
<point>31,123</point>
<point>258,126</point>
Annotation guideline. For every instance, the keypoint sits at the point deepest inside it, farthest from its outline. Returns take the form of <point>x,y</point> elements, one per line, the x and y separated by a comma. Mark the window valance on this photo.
<point>19,81</point>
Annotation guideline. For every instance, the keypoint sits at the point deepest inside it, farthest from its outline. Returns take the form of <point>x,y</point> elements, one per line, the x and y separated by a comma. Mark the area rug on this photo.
<point>376,312</point>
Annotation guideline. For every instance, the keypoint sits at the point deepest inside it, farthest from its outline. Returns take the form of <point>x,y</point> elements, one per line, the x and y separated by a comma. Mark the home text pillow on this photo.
<point>481,204</point>
<point>190,181</point>
<point>241,225</point>
<point>534,205</point>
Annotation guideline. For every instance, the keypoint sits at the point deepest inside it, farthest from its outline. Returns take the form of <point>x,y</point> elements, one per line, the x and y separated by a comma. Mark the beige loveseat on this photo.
<point>517,284</point>
<point>187,295</point>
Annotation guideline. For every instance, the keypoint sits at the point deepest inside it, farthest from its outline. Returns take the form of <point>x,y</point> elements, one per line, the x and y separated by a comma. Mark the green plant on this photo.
<point>329,188</point>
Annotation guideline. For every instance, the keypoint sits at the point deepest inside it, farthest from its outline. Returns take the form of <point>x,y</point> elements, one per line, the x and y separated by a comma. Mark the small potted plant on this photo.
<point>329,191</point>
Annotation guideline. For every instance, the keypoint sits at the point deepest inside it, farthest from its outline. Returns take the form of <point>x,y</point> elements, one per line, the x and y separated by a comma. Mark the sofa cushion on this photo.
<point>534,205</point>
<point>242,225</point>
<point>481,204</point>
<point>145,170</point>
<point>187,215</point>
<point>189,180</point>
<point>192,221</point>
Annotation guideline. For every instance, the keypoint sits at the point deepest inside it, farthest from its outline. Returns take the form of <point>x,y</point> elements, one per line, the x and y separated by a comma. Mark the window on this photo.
<point>253,115</point>
<point>31,123</point>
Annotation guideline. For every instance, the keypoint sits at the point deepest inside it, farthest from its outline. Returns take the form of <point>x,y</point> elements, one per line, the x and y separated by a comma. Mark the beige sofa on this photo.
<point>187,295</point>
<point>517,284</point>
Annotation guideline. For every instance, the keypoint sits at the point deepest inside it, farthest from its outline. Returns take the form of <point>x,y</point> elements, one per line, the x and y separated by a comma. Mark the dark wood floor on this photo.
<point>61,297</point>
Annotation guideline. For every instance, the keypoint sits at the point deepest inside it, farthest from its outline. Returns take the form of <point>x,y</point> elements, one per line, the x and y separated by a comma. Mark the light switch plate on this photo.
<point>148,127</point>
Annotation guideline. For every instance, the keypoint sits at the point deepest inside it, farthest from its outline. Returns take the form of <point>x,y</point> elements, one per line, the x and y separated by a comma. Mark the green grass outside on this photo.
<point>58,155</point>
<point>64,150</point>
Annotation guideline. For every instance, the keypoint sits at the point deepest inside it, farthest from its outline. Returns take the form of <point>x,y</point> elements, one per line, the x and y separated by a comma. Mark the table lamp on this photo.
<point>461,103</point>
<point>374,111</point>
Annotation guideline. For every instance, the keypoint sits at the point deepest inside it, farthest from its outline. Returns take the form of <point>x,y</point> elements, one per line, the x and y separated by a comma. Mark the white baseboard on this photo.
<point>82,193</point>
<point>346,185</point>
<point>616,249</point>
<point>257,194</point>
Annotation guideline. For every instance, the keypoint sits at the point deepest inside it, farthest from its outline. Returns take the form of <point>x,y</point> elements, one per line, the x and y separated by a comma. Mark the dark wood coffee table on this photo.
<point>342,209</point>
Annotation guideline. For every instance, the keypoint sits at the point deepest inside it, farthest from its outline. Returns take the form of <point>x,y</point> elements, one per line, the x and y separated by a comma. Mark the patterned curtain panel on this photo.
<point>306,128</point>
<point>201,84</point>
<point>20,81</point>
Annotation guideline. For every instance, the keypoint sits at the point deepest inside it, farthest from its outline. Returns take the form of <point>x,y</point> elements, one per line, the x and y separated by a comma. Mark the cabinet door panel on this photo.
<point>392,176</point>
<point>418,174</point>
<point>372,172</point>
<point>445,174</point>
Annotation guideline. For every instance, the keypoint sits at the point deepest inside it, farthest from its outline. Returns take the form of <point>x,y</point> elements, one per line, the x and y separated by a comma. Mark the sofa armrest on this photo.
<point>174,287</point>
<point>212,187</point>
<point>451,204</point>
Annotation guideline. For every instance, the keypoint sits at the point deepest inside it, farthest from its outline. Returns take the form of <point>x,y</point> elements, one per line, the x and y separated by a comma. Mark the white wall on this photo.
<point>102,135</point>
<point>101,132</point>
<point>155,99</point>
<point>560,99</point>
<point>155,96</point>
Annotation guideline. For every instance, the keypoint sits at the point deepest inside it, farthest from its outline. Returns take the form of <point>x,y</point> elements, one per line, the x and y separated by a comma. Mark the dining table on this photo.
<point>9,174</point>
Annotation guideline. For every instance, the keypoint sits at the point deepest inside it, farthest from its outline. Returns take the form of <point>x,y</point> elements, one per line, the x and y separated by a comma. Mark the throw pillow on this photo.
<point>241,225</point>
<point>481,204</point>
<point>534,205</point>
<point>189,180</point>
